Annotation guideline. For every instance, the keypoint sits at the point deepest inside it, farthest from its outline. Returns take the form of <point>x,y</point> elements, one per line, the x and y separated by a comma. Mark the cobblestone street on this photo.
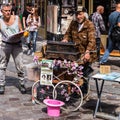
<point>15,106</point>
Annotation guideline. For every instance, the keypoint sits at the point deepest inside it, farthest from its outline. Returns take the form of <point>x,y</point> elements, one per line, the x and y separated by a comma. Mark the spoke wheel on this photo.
<point>70,93</point>
<point>41,92</point>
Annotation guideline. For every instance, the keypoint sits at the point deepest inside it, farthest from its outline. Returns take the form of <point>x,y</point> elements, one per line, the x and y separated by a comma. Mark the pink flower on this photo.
<point>63,91</point>
<point>35,58</point>
<point>42,91</point>
<point>73,67</point>
<point>48,87</point>
<point>66,95</point>
<point>65,61</point>
<point>47,97</point>
<point>54,62</point>
<point>67,98</point>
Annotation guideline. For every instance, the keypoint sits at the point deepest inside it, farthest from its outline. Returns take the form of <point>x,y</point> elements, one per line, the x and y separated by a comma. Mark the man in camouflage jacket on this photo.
<point>82,31</point>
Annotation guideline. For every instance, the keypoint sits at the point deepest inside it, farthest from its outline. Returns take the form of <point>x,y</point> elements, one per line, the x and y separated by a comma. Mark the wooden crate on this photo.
<point>56,49</point>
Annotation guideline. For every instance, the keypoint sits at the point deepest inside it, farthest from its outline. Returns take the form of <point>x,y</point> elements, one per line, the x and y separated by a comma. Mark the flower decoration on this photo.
<point>73,68</point>
<point>37,61</point>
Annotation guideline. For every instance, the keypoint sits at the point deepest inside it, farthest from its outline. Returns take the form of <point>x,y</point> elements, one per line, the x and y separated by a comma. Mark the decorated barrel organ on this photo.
<point>61,50</point>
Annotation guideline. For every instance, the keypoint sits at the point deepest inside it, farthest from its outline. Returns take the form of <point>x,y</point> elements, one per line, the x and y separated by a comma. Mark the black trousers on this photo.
<point>98,41</point>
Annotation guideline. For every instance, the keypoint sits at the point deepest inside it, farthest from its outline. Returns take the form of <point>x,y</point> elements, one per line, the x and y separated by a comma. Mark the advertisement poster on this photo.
<point>46,75</point>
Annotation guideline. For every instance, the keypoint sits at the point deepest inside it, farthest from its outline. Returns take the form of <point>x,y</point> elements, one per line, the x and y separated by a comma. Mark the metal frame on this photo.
<point>99,89</point>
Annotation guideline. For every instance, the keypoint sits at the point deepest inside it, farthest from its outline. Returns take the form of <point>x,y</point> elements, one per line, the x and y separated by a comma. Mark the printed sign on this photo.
<point>46,76</point>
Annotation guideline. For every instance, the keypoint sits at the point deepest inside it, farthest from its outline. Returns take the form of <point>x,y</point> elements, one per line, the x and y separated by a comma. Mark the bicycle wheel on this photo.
<point>70,94</point>
<point>41,92</point>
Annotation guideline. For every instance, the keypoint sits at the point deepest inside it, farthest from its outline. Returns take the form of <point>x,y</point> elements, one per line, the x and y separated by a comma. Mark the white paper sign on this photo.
<point>46,75</point>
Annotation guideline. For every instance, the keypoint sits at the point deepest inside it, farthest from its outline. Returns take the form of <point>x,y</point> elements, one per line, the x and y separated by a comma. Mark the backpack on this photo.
<point>115,35</point>
<point>90,17</point>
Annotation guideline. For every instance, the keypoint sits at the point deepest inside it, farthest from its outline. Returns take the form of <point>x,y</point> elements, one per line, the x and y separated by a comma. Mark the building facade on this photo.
<point>57,7</point>
<point>57,14</point>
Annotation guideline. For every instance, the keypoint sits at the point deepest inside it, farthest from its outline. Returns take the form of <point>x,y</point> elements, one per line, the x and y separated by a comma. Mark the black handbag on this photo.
<point>115,35</point>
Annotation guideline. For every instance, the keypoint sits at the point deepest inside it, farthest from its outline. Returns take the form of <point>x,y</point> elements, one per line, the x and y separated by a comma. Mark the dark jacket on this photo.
<point>85,37</point>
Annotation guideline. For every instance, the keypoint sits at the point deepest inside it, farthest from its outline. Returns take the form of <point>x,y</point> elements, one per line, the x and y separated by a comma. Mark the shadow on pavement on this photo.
<point>106,108</point>
<point>13,81</point>
<point>114,62</point>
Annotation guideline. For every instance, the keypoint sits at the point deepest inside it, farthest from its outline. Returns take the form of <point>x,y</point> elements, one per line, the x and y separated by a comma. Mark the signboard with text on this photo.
<point>46,75</point>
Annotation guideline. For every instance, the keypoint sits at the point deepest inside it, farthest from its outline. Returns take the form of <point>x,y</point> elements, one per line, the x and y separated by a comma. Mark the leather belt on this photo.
<point>11,43</point>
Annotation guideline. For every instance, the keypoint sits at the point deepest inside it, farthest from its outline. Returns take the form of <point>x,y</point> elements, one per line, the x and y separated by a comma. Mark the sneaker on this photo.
<point>22,89</point>
<point>2,89</point>
<point>105,63</point>
<point>32,53</point>
<point>29,51</point>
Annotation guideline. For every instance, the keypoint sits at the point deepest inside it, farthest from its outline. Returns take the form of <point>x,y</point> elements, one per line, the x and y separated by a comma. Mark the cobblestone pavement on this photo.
<point>15,106</point>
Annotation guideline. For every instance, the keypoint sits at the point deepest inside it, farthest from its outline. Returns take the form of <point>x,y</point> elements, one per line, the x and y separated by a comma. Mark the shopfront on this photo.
<point>109,7</point>
<point>56,12</point>
<point>56,15</point>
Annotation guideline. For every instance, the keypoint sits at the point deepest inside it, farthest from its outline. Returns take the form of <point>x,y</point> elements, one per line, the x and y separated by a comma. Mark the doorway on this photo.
<point>42,8</point>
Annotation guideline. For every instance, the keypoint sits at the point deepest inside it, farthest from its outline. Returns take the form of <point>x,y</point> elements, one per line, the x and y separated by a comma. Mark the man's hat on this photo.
<point>81,9</point>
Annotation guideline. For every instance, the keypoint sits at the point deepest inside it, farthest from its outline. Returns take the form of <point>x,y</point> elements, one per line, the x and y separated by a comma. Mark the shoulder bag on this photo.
<point>115,34</point>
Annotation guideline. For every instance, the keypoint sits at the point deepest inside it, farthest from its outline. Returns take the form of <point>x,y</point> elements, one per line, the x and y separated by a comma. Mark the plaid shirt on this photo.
<point>98,23</point>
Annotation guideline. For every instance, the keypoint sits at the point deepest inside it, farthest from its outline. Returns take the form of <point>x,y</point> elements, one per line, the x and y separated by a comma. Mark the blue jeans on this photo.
<point>107,51</point>
<point>32,37</point>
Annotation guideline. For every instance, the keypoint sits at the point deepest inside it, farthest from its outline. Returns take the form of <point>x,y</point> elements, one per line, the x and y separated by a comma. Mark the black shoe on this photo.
<point>22,89</point>
<point>105,63</point>
<point>2,89</point>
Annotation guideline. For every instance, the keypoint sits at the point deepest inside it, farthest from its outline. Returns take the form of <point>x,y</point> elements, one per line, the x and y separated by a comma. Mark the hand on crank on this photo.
<point>64,40</point>
<point>86,56</point>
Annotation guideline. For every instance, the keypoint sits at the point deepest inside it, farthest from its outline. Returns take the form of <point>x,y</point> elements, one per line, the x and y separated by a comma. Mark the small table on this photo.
<point>113,77</point>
